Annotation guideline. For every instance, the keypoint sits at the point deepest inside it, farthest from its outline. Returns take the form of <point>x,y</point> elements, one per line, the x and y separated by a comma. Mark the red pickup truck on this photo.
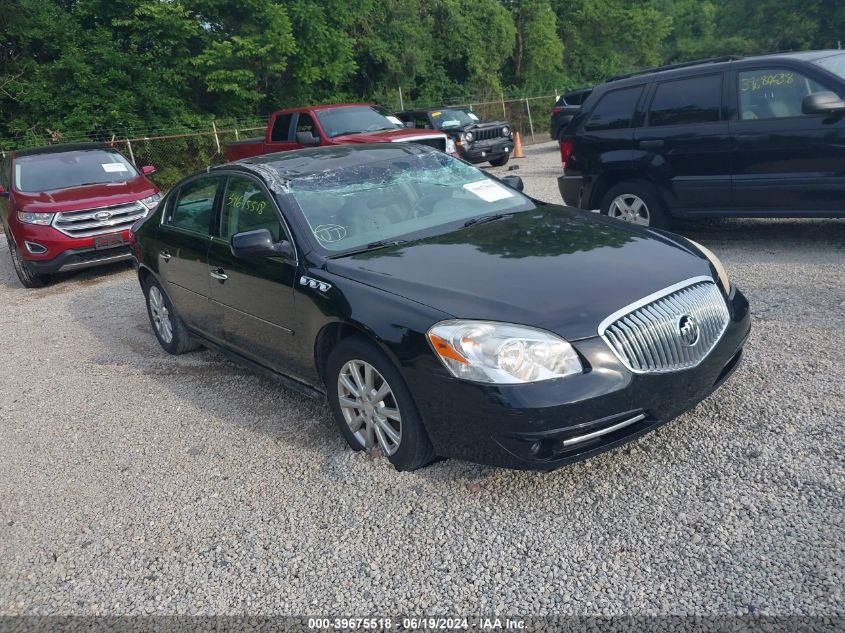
<point>340,124</point>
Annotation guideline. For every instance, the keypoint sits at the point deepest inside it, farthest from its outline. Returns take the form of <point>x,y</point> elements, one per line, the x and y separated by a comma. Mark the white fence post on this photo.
<point>530,122</point>
<point>504,111</point>
<point>216,138</point>
<point>131,153</point>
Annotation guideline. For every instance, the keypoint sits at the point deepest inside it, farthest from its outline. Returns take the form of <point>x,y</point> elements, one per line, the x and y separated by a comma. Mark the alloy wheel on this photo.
<point>369,406</point>
<point>630,208</point>
<point>160,315</point>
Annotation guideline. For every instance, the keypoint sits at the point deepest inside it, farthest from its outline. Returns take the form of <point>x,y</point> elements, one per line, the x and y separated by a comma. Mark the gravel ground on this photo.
<point>133,482</point>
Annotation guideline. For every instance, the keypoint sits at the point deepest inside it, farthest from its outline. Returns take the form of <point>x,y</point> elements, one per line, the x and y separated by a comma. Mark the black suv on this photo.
<point>564,109</point>
<point>727,137</point>
<point>476,141</point>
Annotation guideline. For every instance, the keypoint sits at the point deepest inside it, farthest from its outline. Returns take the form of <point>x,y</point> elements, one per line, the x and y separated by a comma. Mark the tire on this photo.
<point>635,201</point>
<point>26,276</point>
<point>413,449</point>
<point>499,162</point>
<point>174,339</point>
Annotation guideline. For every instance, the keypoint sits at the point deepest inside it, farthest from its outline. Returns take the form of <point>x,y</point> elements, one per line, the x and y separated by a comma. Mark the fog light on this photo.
<point>35,248</point>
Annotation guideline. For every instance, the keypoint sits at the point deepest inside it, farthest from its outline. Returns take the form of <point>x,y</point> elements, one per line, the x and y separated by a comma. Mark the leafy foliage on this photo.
<point>91,68</point>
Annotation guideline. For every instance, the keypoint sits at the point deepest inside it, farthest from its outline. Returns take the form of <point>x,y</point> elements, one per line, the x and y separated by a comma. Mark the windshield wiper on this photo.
<point>487,218</point>
<point>372,246</point>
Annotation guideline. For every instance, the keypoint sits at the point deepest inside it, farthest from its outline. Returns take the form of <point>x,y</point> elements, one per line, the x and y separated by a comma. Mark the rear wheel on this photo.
<point>501,161</point>
<point>637,202</point>
<point>26,276</point>
<point>168,326</point>
<point>373,407</point>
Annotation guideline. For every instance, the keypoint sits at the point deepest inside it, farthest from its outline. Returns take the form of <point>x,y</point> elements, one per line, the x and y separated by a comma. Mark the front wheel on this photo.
<point>499,162</point>
<point>26,276</point>
<point>373,407</point>
<point>637,202</point>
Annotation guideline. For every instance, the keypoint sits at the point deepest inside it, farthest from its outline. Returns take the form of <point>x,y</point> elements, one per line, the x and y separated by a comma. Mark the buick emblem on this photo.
<point>102,216</point>
<point>688,329</point>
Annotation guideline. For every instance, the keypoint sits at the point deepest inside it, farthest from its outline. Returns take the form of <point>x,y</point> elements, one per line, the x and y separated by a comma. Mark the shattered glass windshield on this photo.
<point>399,198</point>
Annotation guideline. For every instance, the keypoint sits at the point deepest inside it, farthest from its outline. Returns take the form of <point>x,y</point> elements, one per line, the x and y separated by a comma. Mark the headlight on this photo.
<point>35,218</point>
<point>151,202</point>
<point>506,131</point>
<point>467,136</point>
<point>720,269</point>
<point>450,145</point>
<point>501,353</point>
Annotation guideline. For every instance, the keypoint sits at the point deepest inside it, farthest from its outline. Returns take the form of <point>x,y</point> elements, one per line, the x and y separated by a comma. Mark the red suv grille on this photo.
<point>99,221</point>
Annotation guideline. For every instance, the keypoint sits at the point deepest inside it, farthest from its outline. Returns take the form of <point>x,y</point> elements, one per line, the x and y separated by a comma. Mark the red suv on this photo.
<point>67,207</point>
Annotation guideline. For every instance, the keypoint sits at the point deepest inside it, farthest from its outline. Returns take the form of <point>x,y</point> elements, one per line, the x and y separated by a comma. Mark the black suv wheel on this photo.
<point>637,202</point>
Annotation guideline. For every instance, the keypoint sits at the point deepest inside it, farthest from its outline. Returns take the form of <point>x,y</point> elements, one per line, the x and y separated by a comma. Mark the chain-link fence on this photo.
<point>177,154</point>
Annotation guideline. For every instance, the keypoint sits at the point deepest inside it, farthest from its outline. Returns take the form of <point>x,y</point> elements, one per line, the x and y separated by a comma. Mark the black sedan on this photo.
<point>442,311</point>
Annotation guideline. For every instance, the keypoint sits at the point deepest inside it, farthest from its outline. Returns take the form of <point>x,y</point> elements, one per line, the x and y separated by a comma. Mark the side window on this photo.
<point>683,101</point>
<point>304,123</point>
<point>614,110</point>
<point>194,206</point>
<point>247,207</point>
<point>281,128</point>
<point>421,122</point>
<point>773,93</point>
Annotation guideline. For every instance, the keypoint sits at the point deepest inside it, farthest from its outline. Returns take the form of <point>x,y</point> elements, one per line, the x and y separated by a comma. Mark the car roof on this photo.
<point>60,148</point>
<point>302,163</point>
<point>717,63</point>
<point>326,106</point>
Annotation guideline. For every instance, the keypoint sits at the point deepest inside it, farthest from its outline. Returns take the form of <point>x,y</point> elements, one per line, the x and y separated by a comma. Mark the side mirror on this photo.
<point>514,182</point>
<point>148,170</point>
<point>259,243</point>
<point>306,138</point>
<point>822,103</point>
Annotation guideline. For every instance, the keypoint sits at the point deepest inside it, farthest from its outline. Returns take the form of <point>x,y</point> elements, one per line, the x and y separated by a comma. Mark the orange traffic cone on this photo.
<point>517,147</point>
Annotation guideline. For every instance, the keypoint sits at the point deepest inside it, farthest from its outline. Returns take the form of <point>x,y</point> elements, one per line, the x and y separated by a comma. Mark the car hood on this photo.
<point>554,268</point>
<point>87,197</point>
<point>388,136</point>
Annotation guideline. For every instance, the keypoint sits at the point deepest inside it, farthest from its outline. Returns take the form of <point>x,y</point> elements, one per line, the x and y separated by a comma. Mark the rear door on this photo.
<point>686,140</point>
<point>785,162</point>
<point>184,238</point>
<point>254,298</point>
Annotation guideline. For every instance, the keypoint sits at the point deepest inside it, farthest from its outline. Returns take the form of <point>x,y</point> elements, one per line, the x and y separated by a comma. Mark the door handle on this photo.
<point>219,275</point>
<point>656,143</point>
<point>165,255</point>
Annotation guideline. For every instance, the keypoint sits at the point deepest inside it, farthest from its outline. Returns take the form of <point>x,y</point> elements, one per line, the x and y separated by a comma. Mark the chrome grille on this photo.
<point>486,133</point>
<point>99,221</point>
<point>647,335</point>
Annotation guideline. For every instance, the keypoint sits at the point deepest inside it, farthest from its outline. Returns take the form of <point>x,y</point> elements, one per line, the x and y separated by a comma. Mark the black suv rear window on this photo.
<point>684,101</point>
<point>614,110</point>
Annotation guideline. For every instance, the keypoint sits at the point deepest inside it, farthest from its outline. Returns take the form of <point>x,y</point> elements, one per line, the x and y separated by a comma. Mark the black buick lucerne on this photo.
<point>441,311</point>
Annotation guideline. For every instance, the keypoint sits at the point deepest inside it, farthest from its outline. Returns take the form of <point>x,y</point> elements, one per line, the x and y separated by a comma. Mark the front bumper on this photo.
<point>77,259</point>
<point>483,151</point>
<point>544,425</point>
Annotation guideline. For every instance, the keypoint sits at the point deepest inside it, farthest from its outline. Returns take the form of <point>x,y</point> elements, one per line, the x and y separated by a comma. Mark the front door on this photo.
<point>688,135</point>
<point>184,238</point>
<point>253,297</point>
<point>785,162</point>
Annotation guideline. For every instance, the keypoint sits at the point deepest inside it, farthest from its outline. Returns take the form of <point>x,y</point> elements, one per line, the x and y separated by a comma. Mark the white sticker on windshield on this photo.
<point>472,116</point>
<point>488,190</point>
<point>114,167</point>
<point>450,123</point>
<point>394,120</point>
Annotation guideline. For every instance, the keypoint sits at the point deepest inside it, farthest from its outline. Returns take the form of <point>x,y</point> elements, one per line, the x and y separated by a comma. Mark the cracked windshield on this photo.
<point>420,195</point>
